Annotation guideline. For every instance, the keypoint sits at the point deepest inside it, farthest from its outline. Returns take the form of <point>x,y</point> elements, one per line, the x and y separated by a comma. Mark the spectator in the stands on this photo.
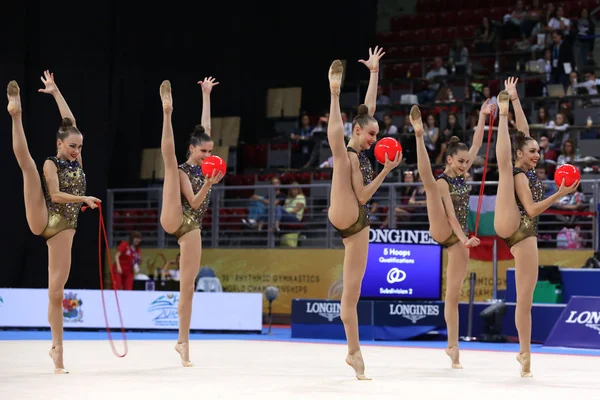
<point>573,79</point>
<point>543,118</point>
<point>547,60</point>
<point>304,129</point>
<point>404,194</point>
<point>487,94</point>
<point>302,143</point>
<point>445,95</point>
<point>437,71</point>
<point>564,106</point>
<point>389,129</point>
<point>558,22</point>
<point>321,124</point>
<point>472,119</point>
<point>452,129</point>
<point>513,21</point>
<point>383,104</point>
<point>533,17</point>
<point>127,262</point>
<point>558,130</point>
<point>293,208</point>
<point>347,126</point>
<point>382,99</point>
<point>590,82</point>
<point>459,56</point>
<point>431,136</point>
<point>549,12</point>
<point>408,142</point>
<point>546,153</point>
<point>486,37</point>
<point>562,53</point>
<point>418,203</point>
<point>258,207</point>
<point>568,154</point>
<point>549,187</point>
<point>585,31</point>
<point>319,140</point>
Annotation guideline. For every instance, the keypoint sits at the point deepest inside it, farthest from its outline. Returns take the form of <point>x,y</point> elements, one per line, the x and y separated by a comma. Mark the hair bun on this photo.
<point>363,109</point>
<point>521,134</point>
<point>66,123</point>
<point>454,140</point>
<point>198,130</point>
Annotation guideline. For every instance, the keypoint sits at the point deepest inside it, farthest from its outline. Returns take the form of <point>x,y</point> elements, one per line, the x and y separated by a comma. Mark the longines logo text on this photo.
<point>400,236</point>
<point>414,312</point>
<point>330,311</point>
<point>590,319</point>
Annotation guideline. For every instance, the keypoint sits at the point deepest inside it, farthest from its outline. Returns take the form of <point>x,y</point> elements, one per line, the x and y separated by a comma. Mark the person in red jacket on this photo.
<point>127,261</point>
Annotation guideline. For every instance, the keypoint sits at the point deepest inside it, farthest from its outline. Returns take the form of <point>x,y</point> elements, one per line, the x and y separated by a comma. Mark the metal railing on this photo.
<point>223,226</point>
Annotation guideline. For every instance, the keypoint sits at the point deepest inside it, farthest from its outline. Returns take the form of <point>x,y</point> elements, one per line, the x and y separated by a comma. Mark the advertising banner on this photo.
<point>313,318</point>
<point>393,320</point>
<point>317,273</point>
<point>140,309</point>
<point>578,325</point>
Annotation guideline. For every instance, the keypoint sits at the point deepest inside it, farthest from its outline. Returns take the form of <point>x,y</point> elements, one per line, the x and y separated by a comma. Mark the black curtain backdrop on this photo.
<point>109,59</point>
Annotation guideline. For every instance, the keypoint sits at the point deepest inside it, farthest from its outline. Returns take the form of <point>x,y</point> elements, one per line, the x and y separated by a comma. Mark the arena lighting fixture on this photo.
<point>492,322</point>
<point>271,293</point>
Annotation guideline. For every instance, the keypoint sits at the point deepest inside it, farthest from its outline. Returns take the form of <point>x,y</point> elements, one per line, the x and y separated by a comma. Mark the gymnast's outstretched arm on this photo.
<point>207,85</point>
<point>373,64</point>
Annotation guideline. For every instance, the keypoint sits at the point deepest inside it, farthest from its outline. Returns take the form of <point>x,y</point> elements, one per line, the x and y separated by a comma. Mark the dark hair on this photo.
<point>134,235</point>
<point>362,117</point>
<point>199,136</point>
<point>520,141</point>
<point>67,128</point>
<point>454,146</point>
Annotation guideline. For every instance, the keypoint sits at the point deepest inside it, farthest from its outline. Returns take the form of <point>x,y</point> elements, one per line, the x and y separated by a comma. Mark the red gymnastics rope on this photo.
<point>102,230</point>
<point>485,164</point>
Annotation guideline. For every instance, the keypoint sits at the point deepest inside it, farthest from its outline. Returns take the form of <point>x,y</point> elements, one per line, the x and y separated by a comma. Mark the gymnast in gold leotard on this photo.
<point>519,202</point>
<point>192,216</point>
<point>528,226</point>
<point>447,210</point>
<point>71,180</point>
<point>352,186</point>
<point>364,213</point>
<point>186,194</point>
<point>52,202</point>
<point>459,193</point>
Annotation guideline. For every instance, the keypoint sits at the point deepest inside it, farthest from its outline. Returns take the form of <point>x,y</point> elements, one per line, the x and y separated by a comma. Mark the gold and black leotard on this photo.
<point>192,219</point>
<point>528,226</point>
<point>459,193</point>
<point>71,180</point>
<point>364,213</point>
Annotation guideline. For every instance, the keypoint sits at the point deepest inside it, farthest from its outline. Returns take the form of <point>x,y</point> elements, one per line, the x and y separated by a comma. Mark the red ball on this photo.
<point>389,146</point>
<point>568,172</point>
<point>212,163</point>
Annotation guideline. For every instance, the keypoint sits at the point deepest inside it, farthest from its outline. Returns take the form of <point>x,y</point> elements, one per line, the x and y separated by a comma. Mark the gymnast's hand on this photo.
<point>51,87</point>
<point>391,164</point>
<point>91,201</point>
<point>511,87</point>
<point>487,108</point>
<point>207,84</point>
<point>373,62</point>
<point>215,178</point>
<point>564,190</point>
<point>472,242</point>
